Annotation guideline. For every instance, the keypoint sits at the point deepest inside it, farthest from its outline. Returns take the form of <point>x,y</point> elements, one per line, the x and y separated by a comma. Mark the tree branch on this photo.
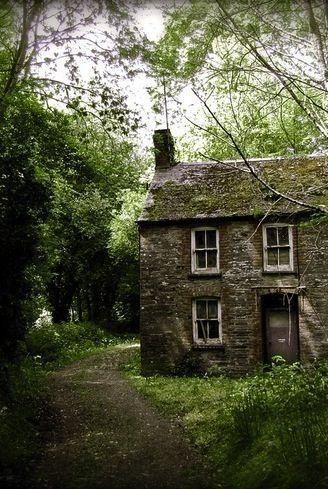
<point>245,41</point>
<point>251,169</point>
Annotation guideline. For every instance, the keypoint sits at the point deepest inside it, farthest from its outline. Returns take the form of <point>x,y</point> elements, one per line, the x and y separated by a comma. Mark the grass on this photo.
<point>24,404</point>
<point>267,430</point>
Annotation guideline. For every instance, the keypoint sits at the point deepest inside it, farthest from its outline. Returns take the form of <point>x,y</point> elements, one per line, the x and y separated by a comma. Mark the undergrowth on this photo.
<point>267,430</point>
<point>24,398</point>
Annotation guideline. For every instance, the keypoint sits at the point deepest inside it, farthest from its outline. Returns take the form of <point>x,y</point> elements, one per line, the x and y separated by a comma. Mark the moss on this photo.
<point>184,200</point>
<point>214,190</point>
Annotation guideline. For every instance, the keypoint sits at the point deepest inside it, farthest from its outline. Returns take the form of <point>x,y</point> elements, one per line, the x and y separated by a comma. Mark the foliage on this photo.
<point>62,175</point>
<point>21,412</point>
<point>51,343</point>
<point>32,142</point>
<point>61,186</point>
<point>270,427</point>
<point>83,41</point>
<point>123,246</point>
<point>78,232</point>
<point>258,69</point>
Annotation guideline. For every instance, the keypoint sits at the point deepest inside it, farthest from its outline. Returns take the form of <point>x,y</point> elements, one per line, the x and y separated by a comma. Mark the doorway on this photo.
<point>280,322</point>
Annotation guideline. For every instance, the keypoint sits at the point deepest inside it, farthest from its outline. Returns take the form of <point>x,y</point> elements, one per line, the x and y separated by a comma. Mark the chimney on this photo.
<point>164,148</point>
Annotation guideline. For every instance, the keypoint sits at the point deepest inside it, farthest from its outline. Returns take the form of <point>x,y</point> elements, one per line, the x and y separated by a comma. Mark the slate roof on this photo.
<point>222,190</point>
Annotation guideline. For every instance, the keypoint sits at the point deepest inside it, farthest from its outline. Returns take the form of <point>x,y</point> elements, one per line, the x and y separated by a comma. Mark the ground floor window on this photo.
<point>207,320</point>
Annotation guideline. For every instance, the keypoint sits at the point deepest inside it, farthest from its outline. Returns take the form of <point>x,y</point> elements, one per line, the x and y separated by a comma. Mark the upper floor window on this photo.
<point>205,250</point>
<point>277,247</point>
<point>207,320</point>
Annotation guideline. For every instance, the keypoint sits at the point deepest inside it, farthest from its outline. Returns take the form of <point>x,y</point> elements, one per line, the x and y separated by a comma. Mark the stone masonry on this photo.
<point>168,286</point>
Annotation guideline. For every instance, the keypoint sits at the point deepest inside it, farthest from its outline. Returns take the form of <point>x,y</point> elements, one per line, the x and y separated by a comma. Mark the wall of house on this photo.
<point>168,288</point>
<point>313,302</point>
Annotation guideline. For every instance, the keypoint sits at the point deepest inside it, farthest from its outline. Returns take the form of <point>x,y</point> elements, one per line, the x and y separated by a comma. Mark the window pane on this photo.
<point>211,239</point>
<point>211,259</point>
<point>273,257</point>
<point>213,329</point>
<point>283,236</point>
<point>284,256</point>
<point>200,259</point>
<point>201,309</point>
<point>271,236</point>
<point>200,239</point>
<point>201,329</point>
<point>212,309</point>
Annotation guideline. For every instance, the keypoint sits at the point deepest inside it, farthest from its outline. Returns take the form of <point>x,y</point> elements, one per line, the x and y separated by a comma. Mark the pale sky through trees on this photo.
<point>149,18</point>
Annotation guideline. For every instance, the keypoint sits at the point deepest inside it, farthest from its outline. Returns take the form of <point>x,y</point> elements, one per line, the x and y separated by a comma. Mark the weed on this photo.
<point>267,430</point>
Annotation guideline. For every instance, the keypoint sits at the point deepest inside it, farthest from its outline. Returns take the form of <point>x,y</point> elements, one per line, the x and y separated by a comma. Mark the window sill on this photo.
<point>204,275</point>
<point>279,272</point>
<point>208,346</point>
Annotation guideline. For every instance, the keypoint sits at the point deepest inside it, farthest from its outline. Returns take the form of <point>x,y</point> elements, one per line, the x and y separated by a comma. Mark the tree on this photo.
<point>62,184</point>
<point>41,38</point>
<point>123,247</point>
<point>60,179</point>
<point>259,72</point>
<point>84,276</point>
<point>32,142</point>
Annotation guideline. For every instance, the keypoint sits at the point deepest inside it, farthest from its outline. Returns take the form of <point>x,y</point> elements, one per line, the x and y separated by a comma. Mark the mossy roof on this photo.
<point>222,190</point>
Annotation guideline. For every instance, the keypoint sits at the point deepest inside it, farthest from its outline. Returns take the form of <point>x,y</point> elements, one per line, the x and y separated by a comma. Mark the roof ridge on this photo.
<point>256,160</point>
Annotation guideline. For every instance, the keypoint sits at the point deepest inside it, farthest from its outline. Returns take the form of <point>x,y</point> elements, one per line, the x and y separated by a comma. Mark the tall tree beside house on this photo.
<point>123,246</point>
<point>61,187</point>
<point>32,142</point>
<point>261,68</point>
<point>85,275</point>
<point>60,178</point>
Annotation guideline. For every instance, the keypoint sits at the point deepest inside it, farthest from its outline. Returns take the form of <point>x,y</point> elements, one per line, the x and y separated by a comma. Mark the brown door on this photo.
<point>281,327</point>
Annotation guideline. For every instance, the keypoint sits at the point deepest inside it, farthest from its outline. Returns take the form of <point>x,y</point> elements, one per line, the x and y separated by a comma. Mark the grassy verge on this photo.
<point>24,403</point>
<point>268,430</point>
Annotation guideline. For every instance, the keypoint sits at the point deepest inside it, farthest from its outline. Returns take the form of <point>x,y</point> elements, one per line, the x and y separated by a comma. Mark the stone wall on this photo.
<point>313,302</point>
<point>168,289</point>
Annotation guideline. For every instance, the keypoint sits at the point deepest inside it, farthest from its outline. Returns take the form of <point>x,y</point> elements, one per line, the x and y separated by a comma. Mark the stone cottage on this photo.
<point>231,274</point>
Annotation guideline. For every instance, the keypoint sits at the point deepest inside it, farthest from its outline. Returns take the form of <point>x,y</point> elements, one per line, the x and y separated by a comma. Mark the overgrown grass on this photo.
<point>55,345</point>
<point>268,430</point>
<point>24,402</point>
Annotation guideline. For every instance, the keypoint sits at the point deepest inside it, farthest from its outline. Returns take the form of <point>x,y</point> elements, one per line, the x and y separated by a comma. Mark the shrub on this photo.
<point>281,413</point>
<point>21,410</point>
<point>66,341</point>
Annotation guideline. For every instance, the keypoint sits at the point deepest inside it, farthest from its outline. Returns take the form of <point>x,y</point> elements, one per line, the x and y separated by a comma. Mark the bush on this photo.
<point>60,343</point>
<point>21,410</point>
<point>281,417</point>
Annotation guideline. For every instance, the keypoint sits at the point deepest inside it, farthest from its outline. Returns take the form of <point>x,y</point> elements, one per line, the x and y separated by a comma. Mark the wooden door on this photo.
<point>281,327</point>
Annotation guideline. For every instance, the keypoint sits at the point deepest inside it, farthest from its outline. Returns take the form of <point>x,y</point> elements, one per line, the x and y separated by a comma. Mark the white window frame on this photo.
<point>206,341</point>
<point>278,268</point>
<point>194,250</point>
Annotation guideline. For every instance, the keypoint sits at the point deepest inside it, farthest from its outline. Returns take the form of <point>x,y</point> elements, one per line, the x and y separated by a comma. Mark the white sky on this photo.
<point>150,19</point>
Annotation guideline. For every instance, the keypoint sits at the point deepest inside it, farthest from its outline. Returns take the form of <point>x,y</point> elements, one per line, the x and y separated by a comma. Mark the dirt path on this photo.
<point>108,437</point>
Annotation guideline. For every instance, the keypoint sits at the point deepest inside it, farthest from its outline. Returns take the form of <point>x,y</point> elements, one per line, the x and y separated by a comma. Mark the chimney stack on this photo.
<point>164,148</point>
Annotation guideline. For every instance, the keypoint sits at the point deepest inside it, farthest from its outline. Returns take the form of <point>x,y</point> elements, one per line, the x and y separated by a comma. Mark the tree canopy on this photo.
<point>261,68</point>
<point>70,52</point>
<point>65,175</point>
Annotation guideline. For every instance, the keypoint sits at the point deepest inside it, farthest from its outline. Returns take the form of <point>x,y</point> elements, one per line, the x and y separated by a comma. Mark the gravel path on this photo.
<point>106,436</point>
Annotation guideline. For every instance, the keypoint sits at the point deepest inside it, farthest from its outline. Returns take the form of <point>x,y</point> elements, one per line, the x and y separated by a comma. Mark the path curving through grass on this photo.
<point>107,436</point>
